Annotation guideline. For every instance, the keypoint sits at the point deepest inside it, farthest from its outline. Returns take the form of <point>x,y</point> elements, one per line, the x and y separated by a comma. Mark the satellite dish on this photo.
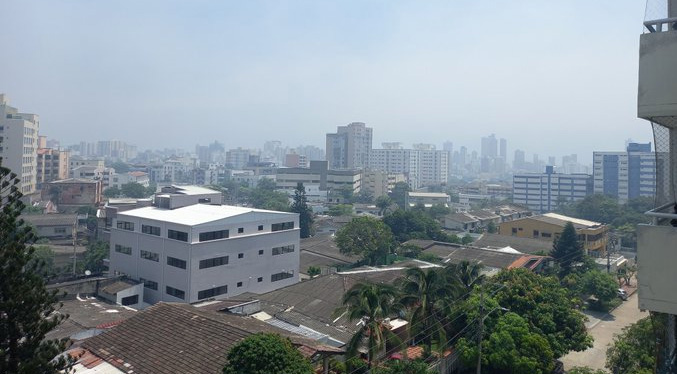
<point>88,273</point>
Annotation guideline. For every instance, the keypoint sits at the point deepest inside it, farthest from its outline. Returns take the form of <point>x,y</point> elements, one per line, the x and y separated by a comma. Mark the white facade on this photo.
<point>19,144</point>
<point>625,175</point>
<point>543,192</point>
<point>201,251</point>
<point>349,147</point>
<point>422,167</point>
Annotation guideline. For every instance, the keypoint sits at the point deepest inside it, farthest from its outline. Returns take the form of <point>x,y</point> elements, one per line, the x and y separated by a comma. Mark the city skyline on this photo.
<point>299,69</point>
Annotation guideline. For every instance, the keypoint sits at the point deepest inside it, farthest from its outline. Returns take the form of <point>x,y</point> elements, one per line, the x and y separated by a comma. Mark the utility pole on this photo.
<point>479,335</point>
<point>75,235</point>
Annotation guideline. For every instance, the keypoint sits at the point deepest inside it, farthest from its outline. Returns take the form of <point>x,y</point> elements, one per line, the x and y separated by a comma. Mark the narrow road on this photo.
<point>603,328</point>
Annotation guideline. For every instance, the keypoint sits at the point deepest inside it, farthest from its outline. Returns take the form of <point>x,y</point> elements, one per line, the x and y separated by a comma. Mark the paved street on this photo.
<point>602,327</point>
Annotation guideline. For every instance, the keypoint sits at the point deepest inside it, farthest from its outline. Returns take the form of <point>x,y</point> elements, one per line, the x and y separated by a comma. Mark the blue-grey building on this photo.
<point>626,175</point>
<point>545,192</point>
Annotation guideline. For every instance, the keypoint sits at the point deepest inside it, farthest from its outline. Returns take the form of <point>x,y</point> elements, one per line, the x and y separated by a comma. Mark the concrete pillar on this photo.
<point>325,364</point>
<point>672,8</point>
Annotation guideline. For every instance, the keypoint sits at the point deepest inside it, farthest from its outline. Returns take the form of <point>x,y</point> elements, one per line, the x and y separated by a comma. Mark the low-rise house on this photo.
<point>170,338</point>
<point>52,226</point>
<point>524,245</point>
<point>547,227</point>
<point>461,221</point>
<point>71,194</point>
<point>427,199</point>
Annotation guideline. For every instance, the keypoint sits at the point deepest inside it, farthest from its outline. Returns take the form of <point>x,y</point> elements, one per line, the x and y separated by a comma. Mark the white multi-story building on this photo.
<point>19,144</point>
<point>544,192</point>
<point>422,166</point>
<point>202,251</point>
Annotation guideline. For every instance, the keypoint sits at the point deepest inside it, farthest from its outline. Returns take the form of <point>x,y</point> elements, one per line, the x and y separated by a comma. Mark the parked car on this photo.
<point>622,294</point>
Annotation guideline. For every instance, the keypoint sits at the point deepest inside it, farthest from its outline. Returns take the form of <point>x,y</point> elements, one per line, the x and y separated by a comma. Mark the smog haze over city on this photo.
<point>553,77</point>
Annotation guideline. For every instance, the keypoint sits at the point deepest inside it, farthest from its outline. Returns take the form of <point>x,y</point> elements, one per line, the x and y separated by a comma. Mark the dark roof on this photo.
<point>179,338</point>
<point>118,286</point>
<point>524,245</point>
<point>483,214</point>
<point>324,245</point>
<point>49,219</point>
<point>461,217</point>
<point>560,220</point>
<point>454,253</point>
<point>312,303</point>
<point>86,314</point>
<point>309,259</point>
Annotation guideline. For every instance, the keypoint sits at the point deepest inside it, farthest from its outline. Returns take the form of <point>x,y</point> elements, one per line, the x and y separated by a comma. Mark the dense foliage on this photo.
<point>567,250</point>
<point>300,206</point>
<point>634,350</point>
<point>404,367</point>
<point>367,237</point>
<point>96,252</point>
<point>264,196</point>
<point>416,224</point>
<point>266,353</point>
<point>28,311</point>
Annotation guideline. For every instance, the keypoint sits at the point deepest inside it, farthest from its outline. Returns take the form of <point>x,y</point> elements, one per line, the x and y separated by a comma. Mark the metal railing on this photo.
<point>659,214</point>
<point>657,25</point>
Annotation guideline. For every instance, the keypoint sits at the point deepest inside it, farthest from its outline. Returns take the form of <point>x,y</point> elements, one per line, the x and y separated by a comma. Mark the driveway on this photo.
<point>603,327</point>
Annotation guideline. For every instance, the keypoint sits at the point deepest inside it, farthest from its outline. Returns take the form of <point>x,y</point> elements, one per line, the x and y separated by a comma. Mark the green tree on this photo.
<point>120,167</point>
<point>367,237</point>
<point>566,249</point>
<point>546,305</point>
<point>510,347</point>
<point>634,350</point>
<point>134,190</point>
<point>584,370</point>
<point>413,224</point>
<point>313,271</point>
<point>266,353</point>
<point>425,293</point>
<point>96,252</point>
<point>467,239</point>
<point>371,304</point>
<point>300,206</point>
<point>43,257</point>
<point>28,311</point>
<point>491,227</point>
<point>399,193</point>
<point>601,285</point>
<point>466,274</point>
<point>438,211</point>
<point>264,196</point>
<point>112,192</point>
<point>340,210</point>
<point>404,367</point>
<point>383,202</point>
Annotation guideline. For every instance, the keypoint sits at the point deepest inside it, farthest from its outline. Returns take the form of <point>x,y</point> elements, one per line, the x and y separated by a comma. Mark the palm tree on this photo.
<point>426,293</point>
<point>467,274</point>
<point>372,304</point>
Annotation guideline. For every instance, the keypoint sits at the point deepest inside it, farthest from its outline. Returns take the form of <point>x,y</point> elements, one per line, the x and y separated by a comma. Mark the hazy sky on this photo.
<point>553,77</point>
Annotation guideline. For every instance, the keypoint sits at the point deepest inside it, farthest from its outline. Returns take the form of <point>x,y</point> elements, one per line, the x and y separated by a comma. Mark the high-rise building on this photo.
<point>349,147</point>
<point>422,166</point>
<point>503,149</point>
<point>19,144</point>
<point>626,175</point>
<point>545,192</point>
<point>489,147</point>
<point>53,164</point>
<point>520,159</point>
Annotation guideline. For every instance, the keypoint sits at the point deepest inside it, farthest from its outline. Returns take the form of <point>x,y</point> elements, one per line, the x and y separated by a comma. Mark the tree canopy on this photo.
<point>415,224</point>
<point>404,367</point>
<point>634,350</point>
<point>264,196</point>
<point>28,311</point>
<point>367,237</point>
<point>399,193</point>
<point>566,249</point>
<point>300,206</point>
<point>546,306</point>
<point>266,353</point>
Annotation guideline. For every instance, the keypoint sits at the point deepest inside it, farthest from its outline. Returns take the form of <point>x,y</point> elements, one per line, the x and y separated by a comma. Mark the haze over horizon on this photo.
<point>552,77</point>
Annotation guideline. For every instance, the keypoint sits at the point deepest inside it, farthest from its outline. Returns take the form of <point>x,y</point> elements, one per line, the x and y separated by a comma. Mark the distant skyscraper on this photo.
<point>449,148</point>
<point>349,147</point>
<point>552,161</point>
<point>489,146</point>
<point>19,144</point>
<point>503,149</point>
<point>519,160</point>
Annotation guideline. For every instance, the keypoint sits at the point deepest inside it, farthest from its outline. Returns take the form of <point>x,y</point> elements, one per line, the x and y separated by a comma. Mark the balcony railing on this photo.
<point>657,25</point>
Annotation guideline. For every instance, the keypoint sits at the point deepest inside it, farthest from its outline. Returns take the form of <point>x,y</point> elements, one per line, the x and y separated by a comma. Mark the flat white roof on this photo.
<point>190,190</point>
<point>428,194</point>
<point>579,221</point>
<point>194,214</point>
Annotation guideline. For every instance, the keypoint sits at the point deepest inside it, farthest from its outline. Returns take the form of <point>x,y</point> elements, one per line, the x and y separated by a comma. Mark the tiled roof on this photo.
<point>524,245</point>
<point>50,219</point>
<point>179,338</point>
<point>454,253</point>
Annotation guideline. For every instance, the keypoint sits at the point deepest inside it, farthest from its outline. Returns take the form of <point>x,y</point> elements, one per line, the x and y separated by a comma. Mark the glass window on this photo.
<point>205,294</point>
<point>175,292</point>
<point>282,275</point>
<point>148,255</point>
<point>130,300</point>
<point>124,225</point>
<point>149,284</point>
<point>122,249</point>
<point>283,250</point>
<point>213,235</point>
<point>177,235</point>
<point>151,230</point>
<point>282,226</point>
<point>212,262</point>
<point>178,263</point>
